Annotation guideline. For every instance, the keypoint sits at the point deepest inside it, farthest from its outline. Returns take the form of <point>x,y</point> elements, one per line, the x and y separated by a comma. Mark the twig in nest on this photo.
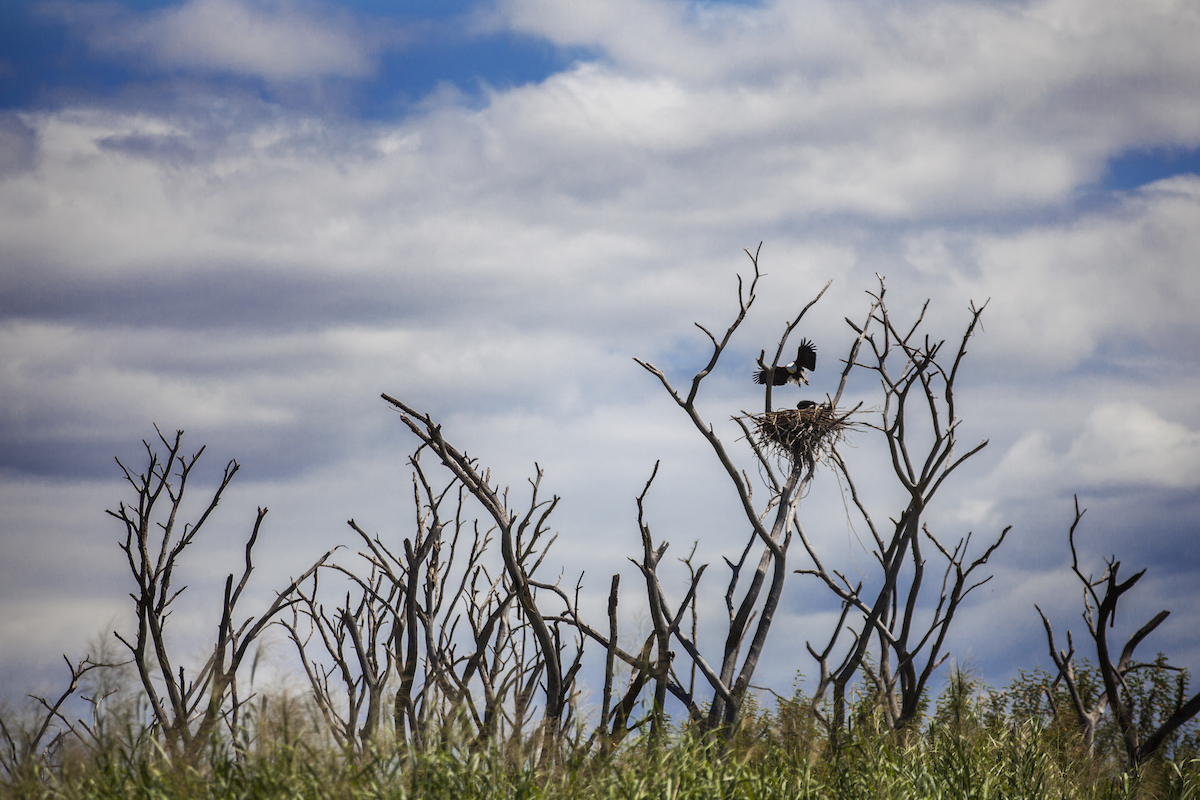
<point>803,434</point>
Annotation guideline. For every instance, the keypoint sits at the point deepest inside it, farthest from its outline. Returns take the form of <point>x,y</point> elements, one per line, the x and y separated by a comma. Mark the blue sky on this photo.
<point>247,218</point>
<point>1135,168</point>
<point>431,44</point>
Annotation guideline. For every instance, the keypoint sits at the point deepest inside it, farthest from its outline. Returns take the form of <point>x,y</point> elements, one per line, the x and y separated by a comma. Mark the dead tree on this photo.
<point>651,663</point>
<point>404,631</point>
<point>350,692</point>
<point>421,641</point>
<point>919,424</point>
<point>1099,613</point>
<point>522,549</point>
<point>26,747</point>
<point>186,710</point>
<point>771,527</point>
<point>496,658</point>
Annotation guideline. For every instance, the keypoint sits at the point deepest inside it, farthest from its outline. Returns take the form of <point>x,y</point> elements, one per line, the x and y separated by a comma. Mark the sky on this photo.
<point>248,218</point>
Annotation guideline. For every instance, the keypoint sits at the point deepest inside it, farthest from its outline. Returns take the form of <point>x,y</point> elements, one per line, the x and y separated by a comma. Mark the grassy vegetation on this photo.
<point>973,745</point>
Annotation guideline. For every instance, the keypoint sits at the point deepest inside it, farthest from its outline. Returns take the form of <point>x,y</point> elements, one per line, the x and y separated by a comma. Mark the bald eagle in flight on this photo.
<point>806,359</point>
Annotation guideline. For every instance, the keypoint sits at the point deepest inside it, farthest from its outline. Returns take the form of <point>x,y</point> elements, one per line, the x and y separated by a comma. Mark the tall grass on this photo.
<point>962,751</point>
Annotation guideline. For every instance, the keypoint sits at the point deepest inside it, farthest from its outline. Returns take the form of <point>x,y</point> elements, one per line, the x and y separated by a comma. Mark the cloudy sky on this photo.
<point>247,218</point>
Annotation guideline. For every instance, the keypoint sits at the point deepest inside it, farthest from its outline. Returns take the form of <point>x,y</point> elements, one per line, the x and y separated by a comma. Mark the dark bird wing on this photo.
<point>780,378</point>
<point>806,356</point>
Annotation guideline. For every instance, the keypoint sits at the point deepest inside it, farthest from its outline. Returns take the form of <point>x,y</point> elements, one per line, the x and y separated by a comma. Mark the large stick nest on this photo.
<point>804,435</point>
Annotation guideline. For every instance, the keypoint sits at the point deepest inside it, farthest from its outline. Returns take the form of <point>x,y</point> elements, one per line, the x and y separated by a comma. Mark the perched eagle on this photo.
<point>806,359</point>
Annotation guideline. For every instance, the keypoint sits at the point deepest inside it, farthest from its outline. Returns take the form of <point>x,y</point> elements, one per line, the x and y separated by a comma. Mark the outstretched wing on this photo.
<point>807,356</point>
<point>780,378</point>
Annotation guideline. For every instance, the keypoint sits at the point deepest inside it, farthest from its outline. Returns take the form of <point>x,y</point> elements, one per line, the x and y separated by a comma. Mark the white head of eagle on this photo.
<point>806,359</point>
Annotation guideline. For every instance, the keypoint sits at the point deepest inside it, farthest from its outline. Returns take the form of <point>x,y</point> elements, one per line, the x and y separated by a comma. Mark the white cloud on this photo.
<point>280,40</point>
<point>1120,445</point>
<point>1126,444</point>
<point>1101,285</point>
<point>1052,67</point>
<point>803,107</point>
